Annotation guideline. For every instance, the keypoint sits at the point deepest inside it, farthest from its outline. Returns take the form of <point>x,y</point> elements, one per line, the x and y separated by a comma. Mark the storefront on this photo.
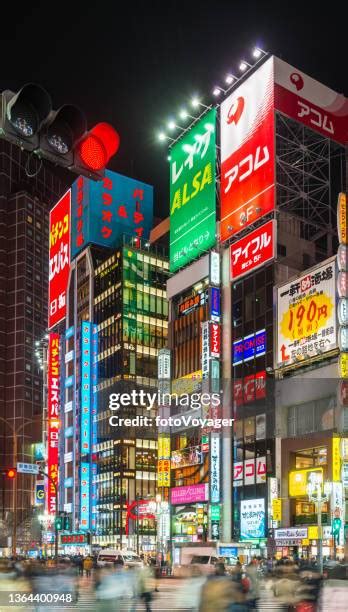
<point>190,513</point>
<point>302,542</point>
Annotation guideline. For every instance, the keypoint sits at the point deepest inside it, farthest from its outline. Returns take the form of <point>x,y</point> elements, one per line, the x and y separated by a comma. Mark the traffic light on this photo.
<point>58,523</point>
<point>66,523</point>
<point>60,136</point>
<point>95,149</point>
<point>11,473</point>
<point>22,115</point>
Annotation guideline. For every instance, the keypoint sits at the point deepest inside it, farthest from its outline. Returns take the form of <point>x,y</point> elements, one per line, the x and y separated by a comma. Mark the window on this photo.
<point>29,219</point>
<point>28,367</point>
<point>281,250</point>
<point>30,232</point>
<point>38,225</point>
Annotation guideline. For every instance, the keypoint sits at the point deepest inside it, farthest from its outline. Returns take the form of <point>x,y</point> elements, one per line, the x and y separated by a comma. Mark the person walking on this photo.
<point>87,566</point>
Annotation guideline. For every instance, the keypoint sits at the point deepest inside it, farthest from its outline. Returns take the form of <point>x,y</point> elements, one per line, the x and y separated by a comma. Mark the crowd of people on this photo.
<point>295,585</point>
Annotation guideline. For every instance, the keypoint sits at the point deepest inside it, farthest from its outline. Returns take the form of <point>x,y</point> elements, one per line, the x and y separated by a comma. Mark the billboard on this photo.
<point>101,211</point>
<point>59,259</point>
<point>186,457</point>
<point>310,102</point>
<point>253,251</point>
<point>249,347</point>
<point>53,423</point>
<point>306,315</point>
<point>252,519</point>
<point>189,494</point>
<point>247,152</point>
<point>192,193</point>
<point>299,480</point>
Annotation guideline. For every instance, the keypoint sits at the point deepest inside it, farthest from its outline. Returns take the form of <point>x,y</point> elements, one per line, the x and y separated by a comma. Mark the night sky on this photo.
<point>135,64</point>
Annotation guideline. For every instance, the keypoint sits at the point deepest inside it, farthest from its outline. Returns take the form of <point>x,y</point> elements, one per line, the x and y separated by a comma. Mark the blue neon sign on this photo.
<point>85,496</point>
<point>249,347</point>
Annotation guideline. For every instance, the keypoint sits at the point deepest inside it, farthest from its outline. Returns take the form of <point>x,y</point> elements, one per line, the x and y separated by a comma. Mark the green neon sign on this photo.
<point>192,193</point>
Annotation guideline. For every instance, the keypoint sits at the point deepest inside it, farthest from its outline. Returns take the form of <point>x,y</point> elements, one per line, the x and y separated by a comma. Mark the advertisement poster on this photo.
<point>102,211</point>
<point>247,152</point>
<point>306,315</point>
<point>253,251</point>
<point>252,519</point>
<point>192,193</point>
<point>59,259</point>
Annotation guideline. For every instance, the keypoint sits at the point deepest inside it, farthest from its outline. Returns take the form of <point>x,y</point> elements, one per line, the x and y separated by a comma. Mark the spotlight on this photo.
<point>229,79</point>
<point>171,125</point>
<point>257,53</point>
<point>161,136</point>
<point>216,91</point>
<point>243,66</point>
<point>169,157</point>
<point>195,102</point>
<point>183,114</point>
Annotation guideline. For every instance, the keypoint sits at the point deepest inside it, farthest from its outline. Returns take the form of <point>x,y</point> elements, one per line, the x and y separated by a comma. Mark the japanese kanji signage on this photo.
<point>306,316</point>
<point>192,193</point>
<point>215,340</point>
<point>253,251</point>
<point>249,388</point>
<point>251,471</point>
<point>247,152</point>
<point>89,349</point>
<point>85,484</point>
<point>309,102</point>
<point>59,259</point>
<point>53,423</point>
<point>163,463</point>
<point>205,350</point>
<point>215,469</point>
<point>252,519</point>
<point>102,211</point>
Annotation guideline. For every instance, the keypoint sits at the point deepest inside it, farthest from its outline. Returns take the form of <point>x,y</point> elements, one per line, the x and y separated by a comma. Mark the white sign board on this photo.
<point>27,468</point>
<point>306,316</point>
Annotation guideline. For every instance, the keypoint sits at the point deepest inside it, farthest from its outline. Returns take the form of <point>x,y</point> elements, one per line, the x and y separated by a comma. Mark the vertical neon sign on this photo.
<point>53,421</point>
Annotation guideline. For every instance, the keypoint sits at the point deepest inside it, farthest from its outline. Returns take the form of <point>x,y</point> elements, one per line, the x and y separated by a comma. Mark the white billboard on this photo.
<point>306,315</point>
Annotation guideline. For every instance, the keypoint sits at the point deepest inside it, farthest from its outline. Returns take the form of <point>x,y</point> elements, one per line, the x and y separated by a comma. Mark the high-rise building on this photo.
<point>25,200</point>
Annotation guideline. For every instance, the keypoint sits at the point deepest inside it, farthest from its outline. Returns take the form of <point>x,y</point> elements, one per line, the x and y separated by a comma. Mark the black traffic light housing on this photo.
<point>28,121</point>
<point>23,114</point>
<point>61,133</point>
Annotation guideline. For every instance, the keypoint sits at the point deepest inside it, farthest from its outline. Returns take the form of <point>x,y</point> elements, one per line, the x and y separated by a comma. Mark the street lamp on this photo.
<point>319,495</point>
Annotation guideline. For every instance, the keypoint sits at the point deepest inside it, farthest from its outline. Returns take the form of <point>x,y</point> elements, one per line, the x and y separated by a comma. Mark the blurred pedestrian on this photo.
<point>253,589</point>
<point>146,586</point>
<point>87,566</point>
<point>221,593</point>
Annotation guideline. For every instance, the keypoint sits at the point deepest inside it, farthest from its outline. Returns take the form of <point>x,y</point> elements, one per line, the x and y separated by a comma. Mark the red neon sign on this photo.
<point>59,259</point>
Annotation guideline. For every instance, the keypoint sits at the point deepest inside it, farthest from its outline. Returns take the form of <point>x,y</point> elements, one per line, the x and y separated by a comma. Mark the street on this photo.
<point>170,596</point>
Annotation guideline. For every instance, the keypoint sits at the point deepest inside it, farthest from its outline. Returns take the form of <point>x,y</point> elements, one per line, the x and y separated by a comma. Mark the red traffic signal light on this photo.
<point>101,143</point>
<point>11,473</point>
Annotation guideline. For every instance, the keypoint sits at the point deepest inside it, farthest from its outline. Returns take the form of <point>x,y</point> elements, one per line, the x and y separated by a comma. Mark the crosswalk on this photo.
<point>171,596</point>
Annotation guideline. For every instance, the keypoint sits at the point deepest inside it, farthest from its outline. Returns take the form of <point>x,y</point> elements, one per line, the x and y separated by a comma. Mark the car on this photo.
<point>125,558</point>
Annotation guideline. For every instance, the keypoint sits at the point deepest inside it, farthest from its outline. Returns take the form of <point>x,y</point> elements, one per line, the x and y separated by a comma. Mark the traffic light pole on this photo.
<point>56,515</point>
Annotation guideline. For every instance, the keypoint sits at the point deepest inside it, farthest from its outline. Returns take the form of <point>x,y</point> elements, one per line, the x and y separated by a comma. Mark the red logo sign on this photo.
<point>252,251</point>
<point>236,110</point>
<point>53,420</point>
<point>215,343</point>
<point>59,259</point>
